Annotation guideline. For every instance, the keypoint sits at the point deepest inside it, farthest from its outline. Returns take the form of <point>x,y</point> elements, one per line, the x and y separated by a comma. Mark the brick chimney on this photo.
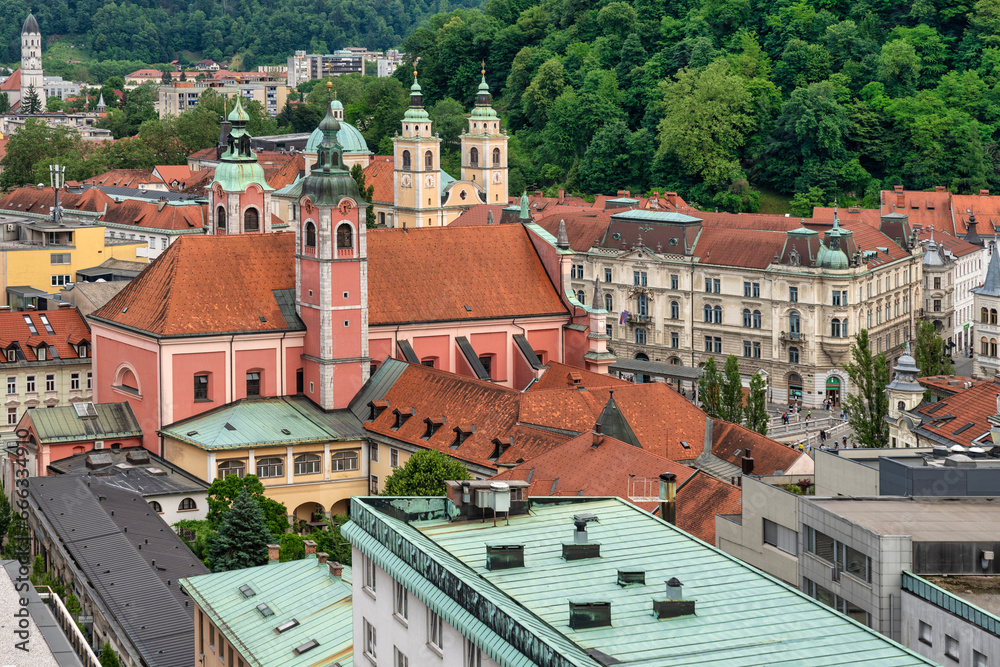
<point>984,193</point>
<point>900,197</point>
<point>310,546</point>
<point>562,195</point>
<point>273,552</point>
<point>322,556</point>
<point>336,569</point>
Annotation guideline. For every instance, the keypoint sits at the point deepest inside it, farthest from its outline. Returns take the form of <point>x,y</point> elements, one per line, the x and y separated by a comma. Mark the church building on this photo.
<point>29,75</point>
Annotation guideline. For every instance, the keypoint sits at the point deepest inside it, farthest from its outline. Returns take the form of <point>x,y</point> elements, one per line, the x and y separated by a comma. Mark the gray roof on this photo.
<point>656,368</point>
<point>140,193</point>
<point>924,519</point>
<point>47,643</point>
<point>991,286</point>
<point>62,424</point>
<point>377,387</point>
<point>99,293</point>
<point>30,25</point>
<point>133,469</point>
<point>154,615</point>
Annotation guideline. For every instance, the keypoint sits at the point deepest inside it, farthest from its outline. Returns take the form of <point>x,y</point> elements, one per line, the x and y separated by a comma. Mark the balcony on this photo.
<point>792,337</point>
<point>635,319</point>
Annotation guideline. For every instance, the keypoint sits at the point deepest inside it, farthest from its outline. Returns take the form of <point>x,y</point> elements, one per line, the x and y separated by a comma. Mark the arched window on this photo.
<point>984,346</point>
<point>794,324</point>
<point>187,505</point>
<point>270,467</point>
<point>428,160</point>
<point>718,314</point>
<point>708,313</point>
<point>237,468</point>
<point>984,315</point>
<point>747,319</point>
<point>675,310</point>
<point>642,302</point>
<point>993,315</point>
<point>581,297</point>
<point>901,405</point>
<point>473,157</point>
<point>156,507</point>
<point>608,303</point>
<point>756,319</point>
<point>345,236</point>
<point>251,220</point>
<point>496,157</point>
<point>835,328</point>
<point>406,159</point>
<point>220,218</point>
<point>310,235</point>
<point>793,355</point>
<point>307,464</point>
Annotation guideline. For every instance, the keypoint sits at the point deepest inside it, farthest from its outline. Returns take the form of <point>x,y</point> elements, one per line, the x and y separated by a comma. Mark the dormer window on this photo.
<point>12,354</point>
<point>461,434</point>
<point>40,352</point>
<point>376,408</point>
<point>82,351</point>
<point>401,417</point>
<point>499,447</point>
<point>433,424</point>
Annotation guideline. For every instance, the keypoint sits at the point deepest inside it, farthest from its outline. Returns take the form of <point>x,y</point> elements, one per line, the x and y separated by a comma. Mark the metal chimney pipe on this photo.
<point>668,493</point>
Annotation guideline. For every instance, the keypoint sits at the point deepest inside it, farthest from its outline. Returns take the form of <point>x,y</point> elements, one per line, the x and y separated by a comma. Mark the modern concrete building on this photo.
<point>574,582</point>
<point>183,95</point>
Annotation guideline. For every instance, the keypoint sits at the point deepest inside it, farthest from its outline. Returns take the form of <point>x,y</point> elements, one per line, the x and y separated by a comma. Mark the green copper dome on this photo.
<point>416,113</point>
<point>238,167</point>
<point>483,111</point>
<point>238,114</point>
<point>329,181</point>
<point>350,138</point>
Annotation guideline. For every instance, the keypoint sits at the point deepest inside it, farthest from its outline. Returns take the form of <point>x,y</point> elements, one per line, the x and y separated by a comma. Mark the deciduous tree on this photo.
<point>868,405</point>
<point>424,474</point>
<point>930,353</point>
<point>731,393</point>
<point>756,416</point>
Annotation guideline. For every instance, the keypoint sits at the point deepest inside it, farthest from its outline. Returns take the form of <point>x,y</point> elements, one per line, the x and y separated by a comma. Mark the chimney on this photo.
<point>598,436</point>
<point>675,605</point>
<point>747,463</point>
<point>562,195</point>
<point>336,569</point>
<point>538,193</point>
<point>938,188</point>
<point>272,552</point>
<point>466,494</point>
<point>674,587</point>
<point>668,493</point>
<point>984,193</point>
<point>310,546</point>
<point>900,197</point>
<point>322,556</point>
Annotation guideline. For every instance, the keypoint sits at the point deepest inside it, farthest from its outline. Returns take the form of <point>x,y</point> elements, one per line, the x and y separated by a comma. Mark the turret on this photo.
<point>484,147</point>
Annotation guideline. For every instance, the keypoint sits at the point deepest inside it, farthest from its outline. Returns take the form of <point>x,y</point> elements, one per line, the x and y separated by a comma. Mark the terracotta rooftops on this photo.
<point>41,200</point>
<point>151,215</point>
<point>378,174</point>
<point>281,170</point>
<point>210,284</point>
<point>562,376</point>
<point>68,331</point>
<point>441,274</point>
<point>124,178</point>
<point>737,247</point>
<point>478,215</point>
<point>13,81</point>
<point>584,228</point>
<point>961,418</point>
<point>731,441</point>
<point>952,384</point>
<point>956,246</point>
<point>700,498</point>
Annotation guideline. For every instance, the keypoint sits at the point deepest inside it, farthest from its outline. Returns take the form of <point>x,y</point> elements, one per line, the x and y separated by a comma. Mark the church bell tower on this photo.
<point>484,148</point>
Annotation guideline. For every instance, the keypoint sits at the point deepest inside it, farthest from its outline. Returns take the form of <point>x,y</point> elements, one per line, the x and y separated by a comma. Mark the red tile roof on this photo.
<point>35,200</point>
<point>378,173</point>
<point>951,384</point>
<point>870,216</point>
<point>735,247</point>
<point>563,376</point>
<point>209,284</point>
<point>124,178</point>
<point>439,274</point>
<point>869,238</point>
<point>957,247</point>
<point>281,169</point>
<point>700,498</point>
<point>173,172</point>
<point>962,418</point>
<point>923,208</point>
<point>13,81</point>
<point>67,325</point>
<point>749,221</point>
<point>584,228</point>
<point>145,74</point>
<point>769,455</point>
<point>151,215</point>
<point>477,215</point>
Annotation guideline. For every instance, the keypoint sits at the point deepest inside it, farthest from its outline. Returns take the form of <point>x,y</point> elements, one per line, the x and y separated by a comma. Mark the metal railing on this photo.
<point>69,626</point>
<point>795,426</point>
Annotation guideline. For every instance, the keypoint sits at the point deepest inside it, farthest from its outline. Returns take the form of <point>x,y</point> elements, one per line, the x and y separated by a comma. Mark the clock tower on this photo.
<point>417,169</point>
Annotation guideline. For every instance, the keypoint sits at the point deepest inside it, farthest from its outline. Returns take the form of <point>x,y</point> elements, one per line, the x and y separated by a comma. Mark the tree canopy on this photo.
<point>242,537</point>
<point>930,353</point>
<point>222,495</point>
<point>868,408</point>
<point>424,474</point>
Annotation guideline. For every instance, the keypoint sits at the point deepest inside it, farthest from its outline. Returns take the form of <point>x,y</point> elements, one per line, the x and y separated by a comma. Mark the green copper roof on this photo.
<point>416,112</point>
<point>349,136</point>
<point>238,114</point>
<point>330,180</point>
<point>742,616</point>
<point>262,423</point>
<point>483,110</point>
<point>301,590</point>
<point>64,423</point>
<point>238,167</point>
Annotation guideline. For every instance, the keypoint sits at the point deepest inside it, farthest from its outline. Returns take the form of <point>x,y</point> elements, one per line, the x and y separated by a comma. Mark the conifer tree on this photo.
<point>709,387</point>
<point>4,103</point>
<point>731,394</point>
<point>756,411</point>
<point>31,104</point>
<point>108,656</point>
<point>868,408</point>
<point>242,538</point>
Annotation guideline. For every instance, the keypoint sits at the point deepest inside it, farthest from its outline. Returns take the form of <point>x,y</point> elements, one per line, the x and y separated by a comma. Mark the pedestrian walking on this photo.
<point>798,409</point>
<point>845,442</point>
<point>809,415</point>
<point>822,436</point>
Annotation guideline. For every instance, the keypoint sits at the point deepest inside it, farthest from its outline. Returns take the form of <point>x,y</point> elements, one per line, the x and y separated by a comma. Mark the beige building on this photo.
<point>786,298</point>
<point>183,95</point>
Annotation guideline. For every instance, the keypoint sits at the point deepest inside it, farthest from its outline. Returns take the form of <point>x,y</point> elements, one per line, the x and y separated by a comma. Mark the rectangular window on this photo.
<point>780,537</point>
<point>717,285</point>
<point>400,601</point>
<point>746,289</point>
<point>370,579</point>
<point>576,272</point>
<point>674,281</point>
<point>60,280</point>
<point>608,330</point>
<point>211,637</point>
<point>373,452</point>
<point>756,290</point>
<point>90,380</point>
<point>74,381</point>
<point>373,485</point>
<point>394,457</point>
<point>843,297</point>
<point>50,382</point>
<point>473,656</point>
<point>708,343</point>
<point>341,461</point>
<point>253,384</point>
<point>937,305</point>
<point>708,284</point>
<point>793,294</point>
<point>399,660</point>
<point>856,563</point>
<point>815,591</point>
<point>836,298</point>
<point>746,348</point>
<point>756,350</point>
<point>11,416</point>
<point>11,384</point>
<point>718,346</point>
<point>59,258</point>
<point>434,630</point>
<point>979,659</point>
<point>201,387</point>
<point>675,340</point>
<point>642,279</point>
<point>29,384</point>
<point>924,635</point>
<point>370,640</point>
<point>607,275</point>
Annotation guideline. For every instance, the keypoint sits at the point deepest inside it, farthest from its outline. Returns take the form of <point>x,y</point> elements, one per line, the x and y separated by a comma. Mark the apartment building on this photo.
<point>183,95</point>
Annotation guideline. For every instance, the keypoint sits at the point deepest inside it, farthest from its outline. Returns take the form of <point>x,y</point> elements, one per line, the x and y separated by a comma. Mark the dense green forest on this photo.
<point>262,31</point>
<point>719,99</point>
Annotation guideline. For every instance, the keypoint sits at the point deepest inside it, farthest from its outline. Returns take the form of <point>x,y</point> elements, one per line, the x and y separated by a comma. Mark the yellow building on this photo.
<point>39,257</point>
<point>310,460</point>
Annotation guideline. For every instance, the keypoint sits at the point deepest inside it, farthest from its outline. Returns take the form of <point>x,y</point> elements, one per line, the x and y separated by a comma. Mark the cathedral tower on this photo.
<point>484,148</point>
<point>417,169</point>
<point>332,275</point>
<point>31,59</point>
<point>240,199</point>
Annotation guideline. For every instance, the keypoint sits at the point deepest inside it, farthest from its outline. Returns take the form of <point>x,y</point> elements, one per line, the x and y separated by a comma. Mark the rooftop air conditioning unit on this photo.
<point>11,226</point>
<point>98,444</point>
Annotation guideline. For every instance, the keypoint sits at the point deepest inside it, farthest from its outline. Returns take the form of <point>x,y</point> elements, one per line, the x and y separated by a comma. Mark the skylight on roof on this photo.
<point>31,325</point>
<point>246,591</point>
<point>286,626</point>
<point>45,323</point>
<point>308,646</point>
<point>264,610</point>
<point>85,409</point>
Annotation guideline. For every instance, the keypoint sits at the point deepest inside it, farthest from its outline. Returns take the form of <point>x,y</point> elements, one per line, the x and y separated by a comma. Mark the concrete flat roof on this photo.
<point>982,591</point>
<point>925,520</point>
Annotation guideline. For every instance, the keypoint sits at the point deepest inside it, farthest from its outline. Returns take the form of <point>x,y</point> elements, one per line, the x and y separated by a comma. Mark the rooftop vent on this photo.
<point>308,646</point>
<point>138,456</point>
<point>96,461</point>
<point>631,577</point>
<point>287,625</point>
<point>264,610</point>
<point>504,556</point>
<point>674,605</point>
<point>584,615</point>
<point>246,591</point>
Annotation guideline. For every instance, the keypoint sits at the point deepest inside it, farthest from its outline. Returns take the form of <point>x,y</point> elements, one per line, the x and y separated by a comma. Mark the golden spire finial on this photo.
<point>483,71</point>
